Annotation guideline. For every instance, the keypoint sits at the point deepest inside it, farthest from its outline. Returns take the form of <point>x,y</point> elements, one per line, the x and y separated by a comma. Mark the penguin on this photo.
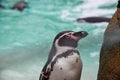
<point>64,62</point>
<point>93,19</point>
<point>20,6</point>
<point>1,6</point>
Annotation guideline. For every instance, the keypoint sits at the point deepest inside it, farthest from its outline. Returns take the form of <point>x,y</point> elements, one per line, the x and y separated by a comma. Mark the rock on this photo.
<point>20,6</point>
<point>109,67</point>
<point>93,19</point>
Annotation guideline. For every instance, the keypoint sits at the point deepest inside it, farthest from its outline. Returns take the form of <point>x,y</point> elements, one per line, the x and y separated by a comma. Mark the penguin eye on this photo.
<point>68,36</point>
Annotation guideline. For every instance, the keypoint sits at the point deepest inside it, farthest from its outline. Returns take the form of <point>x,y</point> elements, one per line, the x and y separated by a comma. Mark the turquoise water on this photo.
<point>26,37</point>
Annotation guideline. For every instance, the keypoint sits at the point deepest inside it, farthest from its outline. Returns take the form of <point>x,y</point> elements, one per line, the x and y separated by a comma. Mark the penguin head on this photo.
<point>69,38</point>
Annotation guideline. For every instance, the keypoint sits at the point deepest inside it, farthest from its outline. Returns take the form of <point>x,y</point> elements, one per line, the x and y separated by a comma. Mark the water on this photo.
<point>26,37</point>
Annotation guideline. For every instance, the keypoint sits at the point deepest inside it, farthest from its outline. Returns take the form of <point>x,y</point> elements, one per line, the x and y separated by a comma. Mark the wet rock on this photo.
<point>109,67</point>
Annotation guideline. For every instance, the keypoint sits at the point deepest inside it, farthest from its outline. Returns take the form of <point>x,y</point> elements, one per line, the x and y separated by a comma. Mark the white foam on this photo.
<point>100,2</point>
<point>89,8</point>
<point>96,12</point>
<point>11,73</point>
<point>98,31</point>
<point>64,14</point>
<point>7,27</point>
<point>29,73</point>
<point>97,62</point>
<point>5,47</point>
<point>87,5</point>
<point>92,4</point>
<point>17,44</point>
<point>94,54</point>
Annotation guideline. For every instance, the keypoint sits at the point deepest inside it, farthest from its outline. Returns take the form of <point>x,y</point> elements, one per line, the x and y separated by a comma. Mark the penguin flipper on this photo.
<point>44,76</point>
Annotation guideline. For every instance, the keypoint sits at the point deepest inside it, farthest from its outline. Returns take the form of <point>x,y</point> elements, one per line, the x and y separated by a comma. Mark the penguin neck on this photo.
<point>55,51</point>
<point>62,49</point>
<point>58,50</point>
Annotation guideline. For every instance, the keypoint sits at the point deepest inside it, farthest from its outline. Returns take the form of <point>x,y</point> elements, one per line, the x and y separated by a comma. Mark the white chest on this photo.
<point>67,68</point>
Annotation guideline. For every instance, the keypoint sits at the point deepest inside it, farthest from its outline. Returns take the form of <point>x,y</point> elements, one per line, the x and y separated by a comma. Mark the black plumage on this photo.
<point>65,39</point>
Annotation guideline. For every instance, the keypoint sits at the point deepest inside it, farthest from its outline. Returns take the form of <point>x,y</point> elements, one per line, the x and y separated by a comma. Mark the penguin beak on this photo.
<point>80,34</point>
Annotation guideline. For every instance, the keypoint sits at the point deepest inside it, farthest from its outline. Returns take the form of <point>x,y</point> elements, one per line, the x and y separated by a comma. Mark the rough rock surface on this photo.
<point>109,67</point>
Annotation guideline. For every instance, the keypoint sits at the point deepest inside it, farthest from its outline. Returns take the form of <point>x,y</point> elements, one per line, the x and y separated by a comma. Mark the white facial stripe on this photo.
<point>70,34</point>
<point>66,34</point>
<point>56,42</point>
<point>75,38</point>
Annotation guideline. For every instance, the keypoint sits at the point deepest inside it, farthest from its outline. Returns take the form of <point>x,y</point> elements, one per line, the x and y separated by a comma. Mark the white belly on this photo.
<point>67,68</point>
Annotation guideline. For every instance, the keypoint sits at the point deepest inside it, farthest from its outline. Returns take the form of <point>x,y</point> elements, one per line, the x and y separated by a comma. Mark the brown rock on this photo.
<point>109,68</point>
